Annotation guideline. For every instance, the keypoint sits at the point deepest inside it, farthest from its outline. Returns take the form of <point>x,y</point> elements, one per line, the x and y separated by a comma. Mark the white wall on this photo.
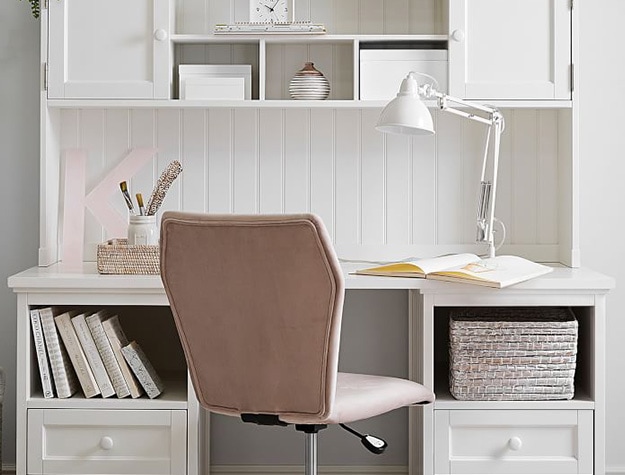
<point>19,179</point>
<point>602,68</point>
<point>602,82</point>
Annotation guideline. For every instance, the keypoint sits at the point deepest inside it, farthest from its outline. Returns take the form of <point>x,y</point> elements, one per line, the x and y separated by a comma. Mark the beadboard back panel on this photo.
<point>339,16</point>
<point>381,196</point>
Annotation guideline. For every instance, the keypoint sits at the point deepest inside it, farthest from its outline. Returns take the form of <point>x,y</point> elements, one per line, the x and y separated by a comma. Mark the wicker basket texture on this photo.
<point>512,353</point>
<point>117,257</point>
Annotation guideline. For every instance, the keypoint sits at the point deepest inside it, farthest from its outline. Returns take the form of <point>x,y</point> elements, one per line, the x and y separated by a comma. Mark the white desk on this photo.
<point>141,301</point>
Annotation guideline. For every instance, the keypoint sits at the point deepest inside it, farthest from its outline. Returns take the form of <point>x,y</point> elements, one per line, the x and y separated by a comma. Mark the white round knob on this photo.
<point>458,35</point>
<point>160,35</point>
<point>106,443</point>
<point>515,443</point>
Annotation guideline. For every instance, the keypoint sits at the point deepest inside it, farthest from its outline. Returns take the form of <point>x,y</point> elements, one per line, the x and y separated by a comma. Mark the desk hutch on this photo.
<point>109,85</point>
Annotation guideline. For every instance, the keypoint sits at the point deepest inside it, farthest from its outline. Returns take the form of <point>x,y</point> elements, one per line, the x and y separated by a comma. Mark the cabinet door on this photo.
<point>109,49</point>
<point>510,49</point>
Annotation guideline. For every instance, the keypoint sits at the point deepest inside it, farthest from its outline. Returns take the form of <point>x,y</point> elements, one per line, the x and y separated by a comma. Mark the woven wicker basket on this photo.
<point>512,353</point>
<point>117,257</point>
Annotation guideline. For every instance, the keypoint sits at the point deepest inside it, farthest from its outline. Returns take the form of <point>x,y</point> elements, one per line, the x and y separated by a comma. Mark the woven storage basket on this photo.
<point>512,353</point>
<point>117,257</point>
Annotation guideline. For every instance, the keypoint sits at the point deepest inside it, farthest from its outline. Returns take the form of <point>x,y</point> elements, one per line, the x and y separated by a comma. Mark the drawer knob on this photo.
<point>160,35</point>
<point>106,443</point>
<point>458,35</point>
<point>515,443</point>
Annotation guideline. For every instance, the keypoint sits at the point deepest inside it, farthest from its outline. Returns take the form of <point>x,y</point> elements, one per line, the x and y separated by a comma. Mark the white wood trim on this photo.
<point>426,341</point>
<point>24,363</point>
<point>418,364</point>
<point>598,372</point>
<point>281,104</point>
<point>298,470</point>
<point>284,38</point>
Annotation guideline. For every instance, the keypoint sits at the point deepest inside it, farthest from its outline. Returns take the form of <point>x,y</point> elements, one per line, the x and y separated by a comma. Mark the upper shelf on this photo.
<point>302,38</point>
<point>278,104</point>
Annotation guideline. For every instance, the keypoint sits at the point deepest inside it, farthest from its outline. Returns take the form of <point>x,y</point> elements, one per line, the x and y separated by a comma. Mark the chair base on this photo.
<point>310,431</point>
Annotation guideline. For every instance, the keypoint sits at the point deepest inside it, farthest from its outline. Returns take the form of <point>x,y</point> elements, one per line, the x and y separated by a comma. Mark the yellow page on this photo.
<point>421,267</point>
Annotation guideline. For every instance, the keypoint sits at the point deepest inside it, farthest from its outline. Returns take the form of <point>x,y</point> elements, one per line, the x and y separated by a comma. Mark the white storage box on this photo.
<point>215,81</point>
<point>382,70</point>
<point>214,88</point>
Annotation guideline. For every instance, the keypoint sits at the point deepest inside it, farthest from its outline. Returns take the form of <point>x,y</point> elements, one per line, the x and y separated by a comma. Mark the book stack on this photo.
<point>89,351</point>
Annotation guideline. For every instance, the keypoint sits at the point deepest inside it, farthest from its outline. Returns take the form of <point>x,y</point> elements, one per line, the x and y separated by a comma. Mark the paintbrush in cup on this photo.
<point>140,203</point>
<point>124,187</point>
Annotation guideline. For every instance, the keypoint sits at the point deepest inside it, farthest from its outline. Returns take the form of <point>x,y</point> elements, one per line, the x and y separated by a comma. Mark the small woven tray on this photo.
<point>117,257</point>
<point>512,353</point>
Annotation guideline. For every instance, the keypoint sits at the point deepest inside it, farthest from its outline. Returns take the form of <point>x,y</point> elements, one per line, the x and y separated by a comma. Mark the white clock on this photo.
<point>271,11</point>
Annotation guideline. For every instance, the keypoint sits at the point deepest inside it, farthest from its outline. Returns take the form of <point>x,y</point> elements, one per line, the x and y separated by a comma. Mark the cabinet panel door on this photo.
<point>111,49</point>
<point>510,49</point>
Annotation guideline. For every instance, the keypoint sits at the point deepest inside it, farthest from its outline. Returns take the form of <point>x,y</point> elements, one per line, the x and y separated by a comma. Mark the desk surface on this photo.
<point>86,277</point>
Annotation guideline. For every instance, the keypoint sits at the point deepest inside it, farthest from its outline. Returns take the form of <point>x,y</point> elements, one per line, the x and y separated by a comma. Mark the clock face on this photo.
<point>271,11</point>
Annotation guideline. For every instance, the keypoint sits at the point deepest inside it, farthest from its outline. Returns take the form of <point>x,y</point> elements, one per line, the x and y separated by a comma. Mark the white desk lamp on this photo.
<point>406,114</point>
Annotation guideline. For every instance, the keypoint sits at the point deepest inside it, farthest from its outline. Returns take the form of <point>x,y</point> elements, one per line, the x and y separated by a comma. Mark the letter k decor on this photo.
<point>97,200</point>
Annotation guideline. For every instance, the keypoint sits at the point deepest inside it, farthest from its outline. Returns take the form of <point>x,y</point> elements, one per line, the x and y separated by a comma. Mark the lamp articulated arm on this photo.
<point>406,114</point>
<point>488,188</point>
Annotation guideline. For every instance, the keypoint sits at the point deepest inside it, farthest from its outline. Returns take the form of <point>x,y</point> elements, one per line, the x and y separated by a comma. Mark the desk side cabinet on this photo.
<point>505,437</point>
<point>121,436</point>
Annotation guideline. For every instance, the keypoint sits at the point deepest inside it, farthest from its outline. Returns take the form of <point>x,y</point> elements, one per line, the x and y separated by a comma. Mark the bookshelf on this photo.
<point>107,435</point>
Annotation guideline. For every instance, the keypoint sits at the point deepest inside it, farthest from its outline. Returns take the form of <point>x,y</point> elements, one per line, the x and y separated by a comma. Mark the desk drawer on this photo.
<point>72,441</point>
<point>514,441</point>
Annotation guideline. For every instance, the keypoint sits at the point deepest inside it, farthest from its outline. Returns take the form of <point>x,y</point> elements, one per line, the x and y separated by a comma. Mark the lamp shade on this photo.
<point>406,114</point>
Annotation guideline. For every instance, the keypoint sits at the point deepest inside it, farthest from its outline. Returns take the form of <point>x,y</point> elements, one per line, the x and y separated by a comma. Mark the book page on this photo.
<point>421,267</point>
<point>500,271</point>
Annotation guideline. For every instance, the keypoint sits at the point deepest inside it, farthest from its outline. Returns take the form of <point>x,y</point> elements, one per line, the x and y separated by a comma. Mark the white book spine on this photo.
<point>65,380</point>
<point>42,357</point>
<point>77,355</point>
<point>93,356</point>
<point>94,322</point>
<point>117,338</point>
<point>143,369</point>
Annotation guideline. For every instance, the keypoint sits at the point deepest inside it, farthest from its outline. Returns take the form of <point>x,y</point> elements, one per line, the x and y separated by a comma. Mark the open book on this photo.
<point>498,272</point>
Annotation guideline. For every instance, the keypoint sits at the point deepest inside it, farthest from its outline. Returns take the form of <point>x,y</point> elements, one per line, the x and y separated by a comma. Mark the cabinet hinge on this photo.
<point>572,77</point>
<point>45,76</point>
<point>45,4</point>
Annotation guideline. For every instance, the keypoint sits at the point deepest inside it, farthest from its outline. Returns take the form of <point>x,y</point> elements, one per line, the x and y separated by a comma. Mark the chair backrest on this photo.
<point>257,301</point>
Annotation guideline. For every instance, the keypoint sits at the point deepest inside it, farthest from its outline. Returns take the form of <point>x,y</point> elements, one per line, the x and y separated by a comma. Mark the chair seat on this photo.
<point>360,396</point>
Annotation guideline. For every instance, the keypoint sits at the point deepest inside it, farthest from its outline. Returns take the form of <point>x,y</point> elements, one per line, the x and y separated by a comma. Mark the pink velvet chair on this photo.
<point>258,301</point>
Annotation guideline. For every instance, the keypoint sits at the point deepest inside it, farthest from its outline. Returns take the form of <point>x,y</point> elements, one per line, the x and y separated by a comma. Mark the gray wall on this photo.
<point>602,74</point>
<point>19,179</point>
<point>374,340</point>
<point>602,82</point>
